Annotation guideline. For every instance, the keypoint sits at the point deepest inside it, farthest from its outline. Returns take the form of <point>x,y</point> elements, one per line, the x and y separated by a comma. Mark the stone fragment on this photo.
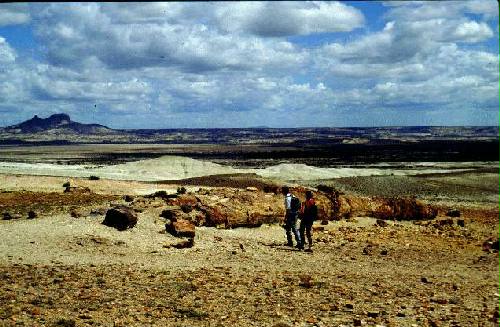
<point>120,217</point>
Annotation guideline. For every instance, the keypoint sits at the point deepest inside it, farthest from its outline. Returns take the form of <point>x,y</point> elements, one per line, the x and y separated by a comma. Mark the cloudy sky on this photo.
<point>244,64</point>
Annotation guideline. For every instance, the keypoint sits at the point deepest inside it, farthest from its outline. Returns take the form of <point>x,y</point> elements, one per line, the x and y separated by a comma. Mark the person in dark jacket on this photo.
<point>309,214</point>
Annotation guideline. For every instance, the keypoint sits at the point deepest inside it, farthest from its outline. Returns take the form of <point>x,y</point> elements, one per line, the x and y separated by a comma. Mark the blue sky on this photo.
<point>244,64</point>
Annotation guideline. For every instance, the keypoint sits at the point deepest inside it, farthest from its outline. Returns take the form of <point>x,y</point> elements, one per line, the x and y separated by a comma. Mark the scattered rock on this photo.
<point>77,189</point>
<point>182,244</point>
<point>281,324</point>
<point>461,222</point>
<point>349,305</point>
<point>6,216</point>
<point>373,314</point>
<point>186,208</point>
<point>424,280</point>
<point>98,211</point>
<point>453,213</point>
<point>357,322</point>
<point>120,217</point>
<point>384,252</point>
<point>128,198</point>
<point>32,214</point>
<point>171,213</point>
<point>78,213</point>
<point>444,222</point>
<point>94,178</point>
<point>305,281</point>
<point>252,189</point>
<point>65,322</point>
<point>368,250</point>
<point>490,245</point>
<point>381,223</point>
<point>318,228</point>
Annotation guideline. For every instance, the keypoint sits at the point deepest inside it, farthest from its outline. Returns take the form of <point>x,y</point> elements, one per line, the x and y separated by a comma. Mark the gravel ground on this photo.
<point>63,271</point>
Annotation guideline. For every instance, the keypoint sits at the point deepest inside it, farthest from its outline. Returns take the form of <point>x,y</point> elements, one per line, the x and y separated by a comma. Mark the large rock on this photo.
<point>120,217</point>
<point>181,228</point>
<point>404,209</point>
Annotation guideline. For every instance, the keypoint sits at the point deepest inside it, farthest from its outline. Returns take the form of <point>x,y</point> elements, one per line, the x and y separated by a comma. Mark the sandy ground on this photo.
<point>63,271</point>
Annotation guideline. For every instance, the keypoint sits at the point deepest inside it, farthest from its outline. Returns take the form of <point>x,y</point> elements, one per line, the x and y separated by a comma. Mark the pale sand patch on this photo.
<point>102,186</point>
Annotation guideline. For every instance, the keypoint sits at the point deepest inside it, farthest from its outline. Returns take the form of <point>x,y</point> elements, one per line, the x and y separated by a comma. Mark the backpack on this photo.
<point>295,204</point>
<point>313,212</point>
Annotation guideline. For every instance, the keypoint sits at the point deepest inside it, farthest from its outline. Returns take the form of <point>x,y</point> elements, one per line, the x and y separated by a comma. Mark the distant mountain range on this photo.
<point>60,129</point>
<point>60,122</point>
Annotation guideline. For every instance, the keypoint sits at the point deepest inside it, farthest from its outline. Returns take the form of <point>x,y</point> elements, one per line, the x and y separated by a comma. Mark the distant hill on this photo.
<point>56,122</point>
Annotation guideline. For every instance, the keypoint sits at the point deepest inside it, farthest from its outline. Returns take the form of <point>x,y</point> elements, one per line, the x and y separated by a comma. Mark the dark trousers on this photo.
<point>291,227</point>
<point>306,226</point>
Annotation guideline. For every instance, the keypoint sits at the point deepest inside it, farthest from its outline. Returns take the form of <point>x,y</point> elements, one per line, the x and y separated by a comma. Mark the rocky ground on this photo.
<point>65,268</point>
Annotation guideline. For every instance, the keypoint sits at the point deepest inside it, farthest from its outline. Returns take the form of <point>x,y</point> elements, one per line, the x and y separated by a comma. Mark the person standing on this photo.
<point>291,212</point>
<point>309,213</point>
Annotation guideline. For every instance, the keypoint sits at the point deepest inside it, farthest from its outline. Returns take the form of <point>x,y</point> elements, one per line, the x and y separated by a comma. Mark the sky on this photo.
<point>252,64</point>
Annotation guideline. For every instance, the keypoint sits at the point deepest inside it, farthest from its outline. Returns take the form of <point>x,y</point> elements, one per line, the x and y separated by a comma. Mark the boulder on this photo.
<point>120,217</point>
<point>180,228</point>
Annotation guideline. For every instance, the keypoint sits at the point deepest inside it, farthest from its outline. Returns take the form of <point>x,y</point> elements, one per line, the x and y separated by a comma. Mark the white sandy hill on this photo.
<point>176,167</point>
<point>163,168</point>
